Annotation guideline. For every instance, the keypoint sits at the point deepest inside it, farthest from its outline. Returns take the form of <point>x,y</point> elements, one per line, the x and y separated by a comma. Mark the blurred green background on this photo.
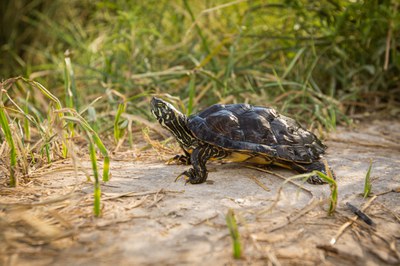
<point>318,61</point>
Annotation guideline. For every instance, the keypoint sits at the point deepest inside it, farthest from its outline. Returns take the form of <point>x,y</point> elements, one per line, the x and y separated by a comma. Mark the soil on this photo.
<point>147,218</point>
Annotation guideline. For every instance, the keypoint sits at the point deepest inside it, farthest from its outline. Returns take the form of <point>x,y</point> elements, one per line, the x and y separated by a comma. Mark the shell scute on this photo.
<point>246,128</point>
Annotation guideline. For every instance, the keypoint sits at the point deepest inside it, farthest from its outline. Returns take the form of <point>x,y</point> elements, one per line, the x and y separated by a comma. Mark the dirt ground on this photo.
<point>150,219</point>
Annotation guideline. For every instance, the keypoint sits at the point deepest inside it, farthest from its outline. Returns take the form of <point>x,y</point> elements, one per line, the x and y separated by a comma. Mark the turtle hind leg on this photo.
<point>315,166</point>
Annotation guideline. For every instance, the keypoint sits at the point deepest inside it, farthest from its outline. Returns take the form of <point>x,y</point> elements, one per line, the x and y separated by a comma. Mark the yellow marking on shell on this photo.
<point>236,157</point>
<point>287,166</point>
<point>260,160</point>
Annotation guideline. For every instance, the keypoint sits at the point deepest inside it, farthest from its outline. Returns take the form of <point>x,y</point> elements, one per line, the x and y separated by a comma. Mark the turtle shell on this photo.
<point>253,129</point>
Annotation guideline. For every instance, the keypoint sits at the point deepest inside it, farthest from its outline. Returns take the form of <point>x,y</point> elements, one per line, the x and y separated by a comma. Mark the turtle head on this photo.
<point>173,120</point>
<point>166,114</point>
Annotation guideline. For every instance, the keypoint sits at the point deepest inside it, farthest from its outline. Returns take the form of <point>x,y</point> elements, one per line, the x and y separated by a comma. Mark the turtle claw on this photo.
<point>189,176</point>
<point>179,159</point>
<point>185,175</point>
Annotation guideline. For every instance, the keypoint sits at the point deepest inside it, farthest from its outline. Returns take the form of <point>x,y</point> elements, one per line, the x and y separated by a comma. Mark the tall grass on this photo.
<point>52,137</point>
<point>315,60</point>
<point>13,154</point>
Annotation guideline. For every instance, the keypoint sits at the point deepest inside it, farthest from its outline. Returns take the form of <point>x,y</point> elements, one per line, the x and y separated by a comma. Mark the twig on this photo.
<point>280,176</point>
<point>44,202</point>
<point>395,190</point>
<point>352,220</point>
<point>328,248</point>
<point>278,194</point>
<point>135,194</point>
<point>273,204</point>
<point>205,220</point>
<point>270,255</point>
<point>258,182</point>
<point>140,202</point>
<point>391,146</point>
<point>390,211</point>
<point>156,199</point>
<point>309,207</point>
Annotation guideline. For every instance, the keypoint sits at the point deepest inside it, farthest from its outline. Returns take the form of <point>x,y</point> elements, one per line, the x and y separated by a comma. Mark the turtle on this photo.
<point>240,133</point>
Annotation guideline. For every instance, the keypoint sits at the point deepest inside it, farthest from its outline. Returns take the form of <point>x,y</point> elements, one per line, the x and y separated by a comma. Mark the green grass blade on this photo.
<point>293,62</point>
<point>200,33</point>
<point>70,87</point>
<point>58,104</point>
<point>46,92</point>
<point>27,131</point>
<point>332,115</point>
<point>95,137</point>
<point>278,82</point>
<point>192,92</point>
<point>130,135</point>
<point>97,189</point>
<point>333,187</point>
<point>326,177</point>
<point>71,93</point>
<point>118,131</point>
<point>367,183</point>
<point>234,232</point>
<point>13,153</point>
<point>106,168</point>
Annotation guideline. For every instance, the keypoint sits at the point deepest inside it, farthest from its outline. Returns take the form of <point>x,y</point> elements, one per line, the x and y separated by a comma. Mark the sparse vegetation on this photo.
<point>75,82</point>
<point>367,183</point>
<point>334,190</point>
<point>318,61</point>
<point>234,233</point>
<point>52,138</point>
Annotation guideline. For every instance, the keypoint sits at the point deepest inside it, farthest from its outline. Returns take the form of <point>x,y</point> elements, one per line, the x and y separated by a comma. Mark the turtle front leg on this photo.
<point>198,174</point>
<point>199,157</point>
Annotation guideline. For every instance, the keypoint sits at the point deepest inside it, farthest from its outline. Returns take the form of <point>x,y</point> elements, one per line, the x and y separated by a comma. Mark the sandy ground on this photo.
<point>150,219</point>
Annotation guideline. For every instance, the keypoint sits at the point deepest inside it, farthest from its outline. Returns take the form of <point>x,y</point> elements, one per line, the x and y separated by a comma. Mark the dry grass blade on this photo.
<point>258,182</point>
<point>346,255</point>
<point>139,194</point>
<point>313,203</point>
<point>53,133</point>
<point>287,179</point>
<point>41,203</point>
<point>153,126</point>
